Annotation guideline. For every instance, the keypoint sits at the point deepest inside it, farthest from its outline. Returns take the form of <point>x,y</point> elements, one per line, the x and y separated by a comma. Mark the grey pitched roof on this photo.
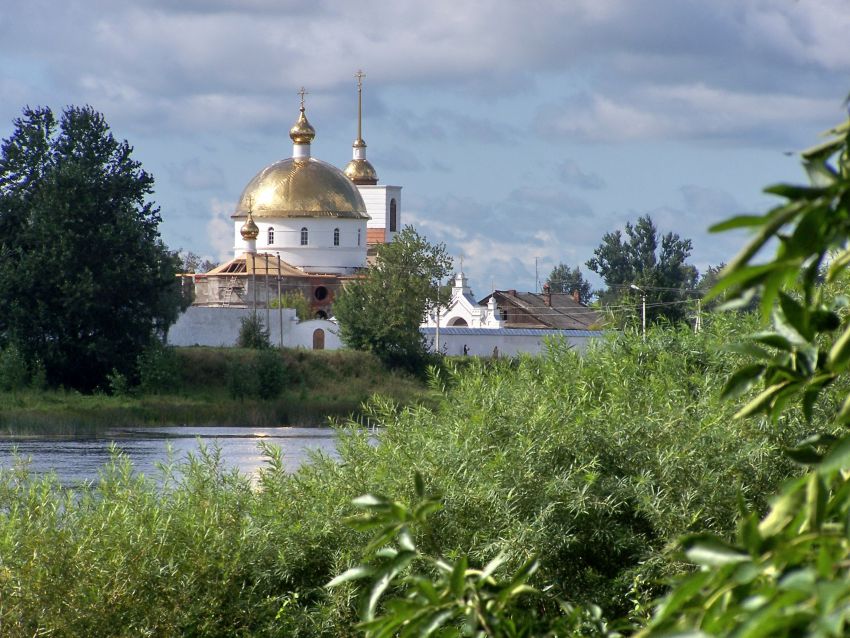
<point>533,310</point>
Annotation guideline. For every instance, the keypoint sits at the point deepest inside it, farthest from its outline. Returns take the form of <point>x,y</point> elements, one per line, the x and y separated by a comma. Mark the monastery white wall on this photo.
<point>219,327</point>
<point>510,342</point>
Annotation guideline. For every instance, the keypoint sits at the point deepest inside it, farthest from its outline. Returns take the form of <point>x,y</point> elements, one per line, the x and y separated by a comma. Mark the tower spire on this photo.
<point>359,170</point>
<point>360,75</point>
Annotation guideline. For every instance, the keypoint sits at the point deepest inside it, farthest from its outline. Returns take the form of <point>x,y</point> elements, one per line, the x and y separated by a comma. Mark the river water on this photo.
<point>79,457</point>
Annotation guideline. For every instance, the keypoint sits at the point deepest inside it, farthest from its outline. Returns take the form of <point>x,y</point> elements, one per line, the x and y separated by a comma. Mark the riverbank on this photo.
<point>211,386</point>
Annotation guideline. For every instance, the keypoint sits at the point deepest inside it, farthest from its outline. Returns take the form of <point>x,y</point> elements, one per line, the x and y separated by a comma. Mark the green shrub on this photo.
<point>117,384</point>
<point>159,369</point>
<point>13,369</point>
<point>253,333</point>
<point>269,373</point>
<point>240,382</point>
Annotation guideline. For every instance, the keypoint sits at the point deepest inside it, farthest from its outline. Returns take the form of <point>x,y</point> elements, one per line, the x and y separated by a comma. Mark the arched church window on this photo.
<point>304,236</point>
<point>271,235</point>
<point>336,236</point>
<point>393,216</point>
<point>358,236</point>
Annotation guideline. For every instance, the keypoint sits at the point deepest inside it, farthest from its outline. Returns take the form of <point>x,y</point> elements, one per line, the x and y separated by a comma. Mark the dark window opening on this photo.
<point>393,216</point>
<point>336,236</point>
<point>304,236</point>
<point>321,293</point>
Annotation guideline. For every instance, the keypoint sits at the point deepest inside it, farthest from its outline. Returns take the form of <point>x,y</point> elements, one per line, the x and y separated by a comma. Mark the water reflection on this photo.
<point>78,458</point>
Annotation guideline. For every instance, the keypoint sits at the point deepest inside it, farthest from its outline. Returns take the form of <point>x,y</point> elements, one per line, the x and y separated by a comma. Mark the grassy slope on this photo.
<point>321,384</point>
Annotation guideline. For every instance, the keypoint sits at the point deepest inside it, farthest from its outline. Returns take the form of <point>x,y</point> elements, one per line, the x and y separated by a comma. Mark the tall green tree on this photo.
<point>566,279</point>
<point>656,264</point>
<point>85,280</point>
<point>382,311</point>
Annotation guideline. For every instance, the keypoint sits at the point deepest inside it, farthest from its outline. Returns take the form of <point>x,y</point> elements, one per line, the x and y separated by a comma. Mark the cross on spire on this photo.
<point>302,93</point>
<point>359,75</point>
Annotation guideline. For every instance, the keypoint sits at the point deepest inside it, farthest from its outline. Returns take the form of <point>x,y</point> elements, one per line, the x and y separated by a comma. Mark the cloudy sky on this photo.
<point>518,130</point>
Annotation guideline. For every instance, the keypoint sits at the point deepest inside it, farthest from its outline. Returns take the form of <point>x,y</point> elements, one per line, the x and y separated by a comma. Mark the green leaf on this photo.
<point>795,316</point>
<point>749,349</point>
<point>712,552</point>
<point>743,379</point>
<point>681,596</point>
<point>419,484</point>
<point>839,353</point>
<point>825,320</point>
<point>810,397</point>
<point>457,582</point>
<point>372,501</point>
<point>435,621</point>
<point>762,402</point>
<point>776,219</point>
<point>817,496</point>
<point>773,340</point>
<point>791,191</point>
<point>491,567</point>
<point>837,266</point>
<point>744,276</point>
<point>805,455</point>
<point>741,221</point>
<point>355,573</point>
<point>423,510</point>
<point>838,457</point>
<point>783,509</point>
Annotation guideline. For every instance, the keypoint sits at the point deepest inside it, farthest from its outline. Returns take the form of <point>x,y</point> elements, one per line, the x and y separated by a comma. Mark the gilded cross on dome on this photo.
<point>302,93</point>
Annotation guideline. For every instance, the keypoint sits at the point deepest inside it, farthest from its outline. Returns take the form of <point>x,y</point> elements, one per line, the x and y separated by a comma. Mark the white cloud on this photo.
<point>689,111</point>
<point>220,229</point>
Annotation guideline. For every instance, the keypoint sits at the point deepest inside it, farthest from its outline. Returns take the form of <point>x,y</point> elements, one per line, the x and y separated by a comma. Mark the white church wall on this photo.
<point>219,327</point>
<point>320,254</point>
<point>377,199</point>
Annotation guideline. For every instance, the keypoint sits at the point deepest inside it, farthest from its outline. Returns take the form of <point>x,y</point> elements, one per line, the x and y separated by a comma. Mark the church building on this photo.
<point>303,225</point>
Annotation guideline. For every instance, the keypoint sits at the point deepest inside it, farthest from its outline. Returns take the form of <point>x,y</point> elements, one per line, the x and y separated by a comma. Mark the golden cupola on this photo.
<point>301,186</point>
<point>302,132</point>
<point>249,230</point>
<point>359,170</point>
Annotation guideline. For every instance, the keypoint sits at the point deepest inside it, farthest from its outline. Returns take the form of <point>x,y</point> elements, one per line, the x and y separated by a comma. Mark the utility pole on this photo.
<point>279,303</point>
<point>437,338</point>
<point>536,277</point>
<point>698,322</point>
<point>643,310</point>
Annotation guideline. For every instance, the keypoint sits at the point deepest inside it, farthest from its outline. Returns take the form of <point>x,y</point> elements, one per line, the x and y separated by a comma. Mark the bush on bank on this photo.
<point>593,463</point>
<point>217,386</point>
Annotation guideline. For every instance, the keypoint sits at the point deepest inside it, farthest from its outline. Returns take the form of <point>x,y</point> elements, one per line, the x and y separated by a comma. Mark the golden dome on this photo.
<point>302,132</point>
<point>249,229</point>
<point>360,171</point>
<point>304,187</point>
